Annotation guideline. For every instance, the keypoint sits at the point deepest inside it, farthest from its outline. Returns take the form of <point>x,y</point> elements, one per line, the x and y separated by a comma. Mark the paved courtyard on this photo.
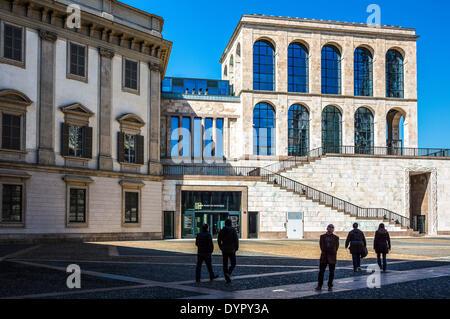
<point>418,268</point>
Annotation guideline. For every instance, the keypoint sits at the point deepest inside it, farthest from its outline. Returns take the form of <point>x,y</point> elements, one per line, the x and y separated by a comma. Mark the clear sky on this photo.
<point>200,30</point>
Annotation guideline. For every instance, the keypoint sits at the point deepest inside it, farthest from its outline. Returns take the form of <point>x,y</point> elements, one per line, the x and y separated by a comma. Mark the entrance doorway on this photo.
<point>216,221</point>
<point>294,226</point>
<point>168,225</point>
<point>419,201</point>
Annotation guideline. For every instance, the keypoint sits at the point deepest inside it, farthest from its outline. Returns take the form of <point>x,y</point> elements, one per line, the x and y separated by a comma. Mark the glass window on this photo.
<point>174,136</point>
<point>166,85</point>
<point>12,203</point>
<point>209,145</point>
<point>331,130</point>
<point>263,130</point>
<point>11,132</point>
<point>77,209</point>
<point>363,131</point>
<point>131,207</point>
<point>297,68</point>
<point>363,70</point>
<point>263,66</point>
<point>131,75</point>
<point>77,59</point>
<point>75,141</point>
<point>394,74</point>
<point>219,138</point>
<point>198,138</point>
<point>129,144</point>
<point>186,135</point>
<point>12,42</point>
<point>298,130</point>
<point>331,70</point>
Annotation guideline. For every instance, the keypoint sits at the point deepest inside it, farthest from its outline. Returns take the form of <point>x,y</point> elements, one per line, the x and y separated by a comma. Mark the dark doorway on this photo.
<point>252,225</point>
<point>419,203</point>
<point>168,225</point>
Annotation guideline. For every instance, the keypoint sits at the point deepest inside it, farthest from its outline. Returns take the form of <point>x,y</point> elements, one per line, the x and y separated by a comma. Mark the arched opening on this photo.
<point>263,66</point>
<point>231,64</point>
<point>298,130</point>
<point>331,130</point>
<point>331,70</point>
<point>363,72</point>
<point>238,50</point>
<point>263,129</point>
<point>394,74</point>
<point>364,131</point>
<point>395,132</point>
<point>298,68</point>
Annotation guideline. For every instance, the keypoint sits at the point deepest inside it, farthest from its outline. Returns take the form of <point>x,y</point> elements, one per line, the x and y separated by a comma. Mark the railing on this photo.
<point>289,184</point>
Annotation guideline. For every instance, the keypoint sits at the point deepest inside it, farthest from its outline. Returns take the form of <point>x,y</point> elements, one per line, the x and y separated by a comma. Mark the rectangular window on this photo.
<point>198,138</point>
<point>75,141</point>
<point>12,203</point>
<point>131,75</point>
<point>186,134</point>
<point>131,207</point>
<point>11,131</point>
<point>77,60</point>
<point>13,42</point>
<point>129,148</point>
<point>209,145</point>
<point>219,138</point>
<point>77,208</point>
<point>174,136</point>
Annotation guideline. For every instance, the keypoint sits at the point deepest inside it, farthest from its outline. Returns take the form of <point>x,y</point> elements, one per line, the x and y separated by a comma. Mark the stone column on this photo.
<point>46,152</point>
<point>105,161</point>
<point>154,165</point>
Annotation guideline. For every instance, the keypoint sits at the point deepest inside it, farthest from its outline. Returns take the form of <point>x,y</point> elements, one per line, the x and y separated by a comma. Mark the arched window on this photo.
<point>394,74</point>
<point>263,66</point>
<point>331,70</point>
<point>363,131</point>
<point>395,120</point>
<point>297,68</point>
<point>298,130</point>
<point>231,64</point>
<point>263,129</point>
<point>238,50</point>
<point>363,69</point>
<point>331,130</point>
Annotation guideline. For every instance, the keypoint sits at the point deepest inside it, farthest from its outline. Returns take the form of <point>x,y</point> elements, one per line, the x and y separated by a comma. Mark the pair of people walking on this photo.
<point>329,245</point>
<point>228,243</point>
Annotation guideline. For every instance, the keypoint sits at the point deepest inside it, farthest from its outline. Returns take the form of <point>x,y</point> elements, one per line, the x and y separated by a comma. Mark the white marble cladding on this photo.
<point>273,204</point>
<point>379,183</point>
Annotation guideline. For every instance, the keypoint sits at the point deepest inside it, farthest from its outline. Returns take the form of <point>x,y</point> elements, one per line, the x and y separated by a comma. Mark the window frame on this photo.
<point>291,73</point>
<point>257,85</point>
<point>72,76</point>
<point>325,69</point>
<point>132,187</point>
<point>138,80</point>
<point>3,59</point>
<point>14,178</point>
<point>77,182</point>
<point>358,71</point>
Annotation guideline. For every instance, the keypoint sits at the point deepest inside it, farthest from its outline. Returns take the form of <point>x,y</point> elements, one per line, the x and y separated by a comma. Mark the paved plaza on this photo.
<point>418,268</point>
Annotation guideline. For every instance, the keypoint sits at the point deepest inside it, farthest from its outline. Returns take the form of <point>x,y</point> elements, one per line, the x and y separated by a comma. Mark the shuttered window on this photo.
<point>13,42</point>
<point>11,131</point>
<point>131,148</point>
<point>76,141</point>
<point>77,64</point>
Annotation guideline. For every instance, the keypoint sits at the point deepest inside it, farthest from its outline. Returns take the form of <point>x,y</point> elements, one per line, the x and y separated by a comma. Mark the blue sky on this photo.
<point>201,29</point>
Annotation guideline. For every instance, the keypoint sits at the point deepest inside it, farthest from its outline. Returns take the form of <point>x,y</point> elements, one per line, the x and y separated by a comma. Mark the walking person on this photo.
<point>329,245</point>
<point>382,245</point>
<point>205,246</point>
<point>229,244</point>
<point>357,242</point>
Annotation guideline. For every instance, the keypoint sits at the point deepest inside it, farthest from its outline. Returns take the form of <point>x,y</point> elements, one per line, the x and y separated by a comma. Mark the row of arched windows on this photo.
<point>298,130</point>
<point>298,70</point>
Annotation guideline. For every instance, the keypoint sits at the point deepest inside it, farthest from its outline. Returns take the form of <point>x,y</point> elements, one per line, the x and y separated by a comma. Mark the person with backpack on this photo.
<point>229,244</point>
<point>205,246</point>
<point>382,245</point>
<point>357,242</point>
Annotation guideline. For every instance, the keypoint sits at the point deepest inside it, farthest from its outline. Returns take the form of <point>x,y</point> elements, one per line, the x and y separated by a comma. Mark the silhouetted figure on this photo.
<point>229,244</point>
<point>357,242</point>
<point>382,245</point>
<point>205,246</point>
<point>329,245</point>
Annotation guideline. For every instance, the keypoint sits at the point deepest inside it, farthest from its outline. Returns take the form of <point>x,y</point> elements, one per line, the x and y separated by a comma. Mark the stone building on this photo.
<point>313,122</point>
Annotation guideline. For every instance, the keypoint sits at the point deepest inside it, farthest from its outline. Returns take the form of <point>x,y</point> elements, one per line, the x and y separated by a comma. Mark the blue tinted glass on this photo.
<point>263,130</point>
<point>174,136</point>
<point>331,70</point>
<point>198,137</point>
<point>297,68</point>
<point>363,70</point>
<point>263,66</point>
<point>219,137</point>
<point>167,85</point>
<point>209,152</point>
<point>394,74</point>
<point>186,134</point>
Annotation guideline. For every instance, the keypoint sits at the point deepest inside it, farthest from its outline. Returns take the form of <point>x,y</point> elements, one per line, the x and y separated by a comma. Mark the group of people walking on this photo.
<point>228,241</point>
<point>356,242</point>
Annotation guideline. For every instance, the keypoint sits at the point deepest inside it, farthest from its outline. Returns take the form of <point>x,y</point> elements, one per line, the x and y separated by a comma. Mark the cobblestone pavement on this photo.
<point>418,268</point>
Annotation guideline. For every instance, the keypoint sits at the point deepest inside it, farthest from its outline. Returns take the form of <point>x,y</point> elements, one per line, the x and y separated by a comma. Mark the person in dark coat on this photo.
<point>329,245</point>
<point>357,242</point>
<point>382,245</point>
<point>205,246</point>
<point>229,244</point>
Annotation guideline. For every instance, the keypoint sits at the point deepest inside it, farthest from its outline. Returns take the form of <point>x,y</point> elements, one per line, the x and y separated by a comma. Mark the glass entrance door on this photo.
<point>216,222</point>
